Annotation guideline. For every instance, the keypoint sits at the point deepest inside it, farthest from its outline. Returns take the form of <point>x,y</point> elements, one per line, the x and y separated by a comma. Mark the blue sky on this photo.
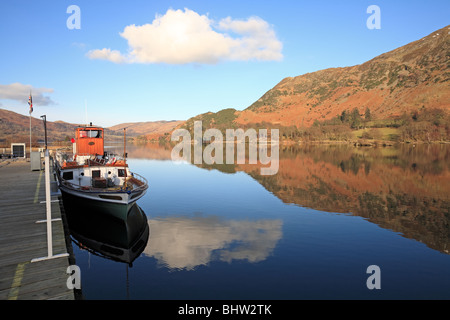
<point>124,65</point>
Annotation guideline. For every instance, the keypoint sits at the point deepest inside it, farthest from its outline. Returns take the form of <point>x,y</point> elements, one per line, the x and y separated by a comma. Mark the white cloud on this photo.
<point>258,40</point>
<point>20,92</point>
<point>107,54</point>
<point>180,37</point>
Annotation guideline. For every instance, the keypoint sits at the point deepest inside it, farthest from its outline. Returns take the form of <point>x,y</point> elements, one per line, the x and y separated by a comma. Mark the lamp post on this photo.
<point>44,117</point>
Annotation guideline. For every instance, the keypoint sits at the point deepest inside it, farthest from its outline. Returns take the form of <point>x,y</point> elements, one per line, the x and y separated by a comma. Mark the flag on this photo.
<point>30,103</point>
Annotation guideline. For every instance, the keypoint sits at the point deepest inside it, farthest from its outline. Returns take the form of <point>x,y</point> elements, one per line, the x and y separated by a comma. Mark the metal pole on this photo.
<point>30,136</point>
<point>125,154</point>
<point>124,143</point>
<point>48,204</point>
<point>30,103</point>
<point>45,129</point>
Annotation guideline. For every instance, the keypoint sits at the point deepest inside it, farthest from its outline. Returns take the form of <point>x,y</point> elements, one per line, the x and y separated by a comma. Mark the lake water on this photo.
<point>308,232</point>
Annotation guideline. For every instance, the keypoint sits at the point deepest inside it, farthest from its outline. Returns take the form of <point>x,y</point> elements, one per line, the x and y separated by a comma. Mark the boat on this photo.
<point>99,178</point>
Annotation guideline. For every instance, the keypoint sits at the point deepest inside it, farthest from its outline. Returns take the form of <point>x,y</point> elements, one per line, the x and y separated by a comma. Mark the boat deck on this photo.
<point>22,239</point>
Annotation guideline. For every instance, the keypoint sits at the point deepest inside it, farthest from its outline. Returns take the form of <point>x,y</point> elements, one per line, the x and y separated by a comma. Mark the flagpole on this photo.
<point>30,103</point>
<point>30,136</point>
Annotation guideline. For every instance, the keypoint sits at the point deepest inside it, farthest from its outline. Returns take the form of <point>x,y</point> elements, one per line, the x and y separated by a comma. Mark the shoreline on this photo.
<point>356,143</point>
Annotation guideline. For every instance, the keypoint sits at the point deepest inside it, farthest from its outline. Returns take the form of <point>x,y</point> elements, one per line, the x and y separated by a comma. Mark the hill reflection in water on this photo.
<point>405,188</point>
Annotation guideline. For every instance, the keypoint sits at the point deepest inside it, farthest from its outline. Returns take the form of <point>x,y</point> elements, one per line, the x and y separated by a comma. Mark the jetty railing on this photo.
<point>49,219</point>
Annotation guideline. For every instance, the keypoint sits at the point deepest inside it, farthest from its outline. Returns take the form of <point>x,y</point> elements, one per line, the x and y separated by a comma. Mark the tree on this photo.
<point>367,115</point>
<point>344,116</point>
<point>355,118</point>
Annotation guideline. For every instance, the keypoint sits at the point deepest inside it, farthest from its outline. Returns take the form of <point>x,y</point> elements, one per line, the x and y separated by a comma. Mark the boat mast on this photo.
<point>85,111</point>
<point>125,154</point>
<point>124,145</point>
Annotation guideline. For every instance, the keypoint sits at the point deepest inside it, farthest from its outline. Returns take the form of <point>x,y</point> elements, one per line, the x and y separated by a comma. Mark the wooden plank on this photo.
<point>22,239</point>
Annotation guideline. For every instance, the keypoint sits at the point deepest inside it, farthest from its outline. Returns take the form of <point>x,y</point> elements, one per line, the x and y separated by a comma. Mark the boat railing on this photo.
<point>125,188</point>
<point>62,156</point>
<point>138,181</point>
<point>142,183</point>
<point>93,161</point>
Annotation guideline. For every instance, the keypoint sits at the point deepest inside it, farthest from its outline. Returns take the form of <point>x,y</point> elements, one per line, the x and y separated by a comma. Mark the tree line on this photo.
<point>425,125</point>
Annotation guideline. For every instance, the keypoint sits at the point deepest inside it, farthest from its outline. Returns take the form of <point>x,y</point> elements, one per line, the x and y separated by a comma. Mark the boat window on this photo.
<point>121,172</point>
<point>110,197</point>
<point>90,133</point>
<point>95,173</point>
<point>95,134</point>
<point>68,175</point>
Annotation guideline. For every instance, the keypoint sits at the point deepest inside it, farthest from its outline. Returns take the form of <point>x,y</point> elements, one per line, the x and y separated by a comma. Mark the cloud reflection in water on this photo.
<point>187,242</point>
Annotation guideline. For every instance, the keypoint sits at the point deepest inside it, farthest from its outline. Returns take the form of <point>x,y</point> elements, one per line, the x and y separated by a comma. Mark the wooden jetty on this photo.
<point>22,204</point>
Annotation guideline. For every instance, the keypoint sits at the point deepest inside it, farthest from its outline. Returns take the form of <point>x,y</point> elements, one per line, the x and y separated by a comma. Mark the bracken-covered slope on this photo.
<point>407,79</point>
<point>149,129</point>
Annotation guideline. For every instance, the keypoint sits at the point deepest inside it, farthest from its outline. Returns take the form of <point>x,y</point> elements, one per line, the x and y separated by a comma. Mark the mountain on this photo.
<point>409,79</point>
<point>15,127</point>
<point>402,80</point>
<point>149,129</point>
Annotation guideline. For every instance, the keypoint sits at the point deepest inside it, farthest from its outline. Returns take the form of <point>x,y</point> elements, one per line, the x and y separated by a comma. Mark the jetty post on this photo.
<point>49,219</point>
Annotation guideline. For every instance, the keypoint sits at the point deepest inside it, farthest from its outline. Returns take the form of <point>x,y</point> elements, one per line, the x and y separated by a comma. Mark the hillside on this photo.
<point>15,127</point>
<point>402,80</point>
<point>409,81</point>
<point>149,129</point>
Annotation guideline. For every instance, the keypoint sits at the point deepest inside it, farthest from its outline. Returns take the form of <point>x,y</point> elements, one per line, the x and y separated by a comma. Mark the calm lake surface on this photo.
<point>308,232</point>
